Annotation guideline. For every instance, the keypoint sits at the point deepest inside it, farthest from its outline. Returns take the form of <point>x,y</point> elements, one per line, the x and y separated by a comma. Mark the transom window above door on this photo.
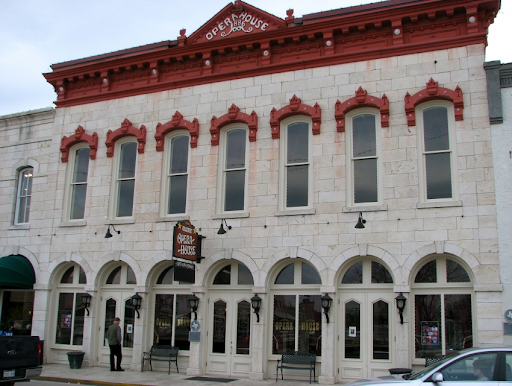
<point>300,272</point>
<point>121,275</point>
<point>233,274</point>
<point>367,272</point>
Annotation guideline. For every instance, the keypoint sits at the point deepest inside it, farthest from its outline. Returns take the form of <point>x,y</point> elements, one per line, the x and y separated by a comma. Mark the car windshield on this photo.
<point>426,370</point>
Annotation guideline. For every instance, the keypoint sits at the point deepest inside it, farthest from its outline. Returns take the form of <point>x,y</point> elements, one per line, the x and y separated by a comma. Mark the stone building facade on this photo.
<point>346,153</point>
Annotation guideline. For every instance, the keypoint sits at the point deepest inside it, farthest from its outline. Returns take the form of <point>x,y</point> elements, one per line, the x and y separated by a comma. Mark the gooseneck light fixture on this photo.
<point>86,301</point>
<point>108,234</point>
<point>221,230</point>
<point>400,304</point>
<point>256,304</point>
<point>360,222</point>
<point>193,302</point>
<point>136,301</point>
<point>326,305</point>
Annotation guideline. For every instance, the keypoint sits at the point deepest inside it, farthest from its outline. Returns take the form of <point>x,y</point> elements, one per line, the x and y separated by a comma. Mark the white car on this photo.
<point>472,366</point>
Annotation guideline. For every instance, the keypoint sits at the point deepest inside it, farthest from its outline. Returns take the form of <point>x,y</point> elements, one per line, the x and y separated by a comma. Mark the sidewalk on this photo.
<point>103,376</point>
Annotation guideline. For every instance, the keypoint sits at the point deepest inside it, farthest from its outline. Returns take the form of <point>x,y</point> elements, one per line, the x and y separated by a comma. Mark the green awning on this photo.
<point>16,272</point>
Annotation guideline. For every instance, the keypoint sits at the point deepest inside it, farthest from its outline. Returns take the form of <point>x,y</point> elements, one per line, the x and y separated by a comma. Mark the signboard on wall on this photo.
<point>186,242</point>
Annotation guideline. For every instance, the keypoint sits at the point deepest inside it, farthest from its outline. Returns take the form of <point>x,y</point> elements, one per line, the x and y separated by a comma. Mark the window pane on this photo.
<point>64,319</point>
<point>17,306</point>
<point>439,176</point>
<point>78,328</point>
<point>81,167</point>
<point>183,315</point>
<point>380,330</point>
<point>243,328</point>
<point>354,275</point>
<point>82,279</point>
<point>110,314</point>
<point>130,276</point>
<point>427,273</point>
<point>244,275</point>
<point>283,324</point>
<point>310,323</point>
<point>235,149</point>
<point>235,190</point>
<point>435,128</point>
<point>177,194</point>
<point>67,278</point>
<point>310,275</point>
<point>286,275</point>
<point>78,195</point>
<point>455,273</point>
<point>427,313</point>
<point>297,186</point>
<point>125,198</point>
<point>508,366</point>
<point>365,180</point>
<point>298,143</point>
<point>24,195</point>
<point>163,319</point>
<point>114,277</point>
<point>353,330</point>
<point>127,160</point>
<point>179,155</point>
<point>129,318</point>
<point>380,274</point>
<point>458,322</point>
<point>219,327</point>
<point>473,368</point>
<point>23,210</point>
<point>364,141</point>
<point>223,277</point>
<point>167,276</point>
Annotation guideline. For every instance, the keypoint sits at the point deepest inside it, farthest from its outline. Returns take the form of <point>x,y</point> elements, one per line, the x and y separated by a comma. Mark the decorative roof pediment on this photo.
<point>236,19</point>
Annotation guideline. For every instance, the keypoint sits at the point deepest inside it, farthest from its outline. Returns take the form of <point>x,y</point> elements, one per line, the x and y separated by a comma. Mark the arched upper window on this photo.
<point>124,178</point>
<point>24,196</point>
<point>76,190</point>
<point>233,274</point>
<point>122,274</point>
<point>367,272</point>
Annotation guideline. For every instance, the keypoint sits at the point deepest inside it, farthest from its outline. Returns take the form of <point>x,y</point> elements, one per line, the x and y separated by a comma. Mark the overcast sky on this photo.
<point>37,33</point>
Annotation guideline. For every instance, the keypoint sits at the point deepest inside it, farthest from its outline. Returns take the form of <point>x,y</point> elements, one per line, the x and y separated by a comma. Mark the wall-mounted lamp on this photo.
<point>108,234</point>
<point>193,302</point>
<point>400,304</point>
<point>326,305</point>
<point>136,301</point>
<point>86,301</point>
<point>256,304</point>
<point>360,222</point>
<point>221,230</point>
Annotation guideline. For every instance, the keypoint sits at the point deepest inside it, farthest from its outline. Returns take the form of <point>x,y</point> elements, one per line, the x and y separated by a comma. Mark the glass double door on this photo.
<point>117,304</point>
<point>367,334</point>
<point>229,334</point>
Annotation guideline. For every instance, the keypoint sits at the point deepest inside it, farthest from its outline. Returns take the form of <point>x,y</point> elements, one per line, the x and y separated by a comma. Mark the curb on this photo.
<point>84,381</point>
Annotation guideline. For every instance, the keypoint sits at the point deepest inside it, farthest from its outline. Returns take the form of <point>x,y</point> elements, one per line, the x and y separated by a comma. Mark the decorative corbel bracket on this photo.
<point>125,130</point>
<point>79,136</point>
<point>177,123</point>
<point>233,116</point>
<point>296,107</point>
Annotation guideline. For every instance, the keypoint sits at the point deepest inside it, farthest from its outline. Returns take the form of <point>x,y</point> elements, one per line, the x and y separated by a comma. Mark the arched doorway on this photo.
<point>367,319</point>
<point>230,321</point>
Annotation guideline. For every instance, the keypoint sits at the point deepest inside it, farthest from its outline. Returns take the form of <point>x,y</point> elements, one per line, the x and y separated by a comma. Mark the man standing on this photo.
<point>114,341</point>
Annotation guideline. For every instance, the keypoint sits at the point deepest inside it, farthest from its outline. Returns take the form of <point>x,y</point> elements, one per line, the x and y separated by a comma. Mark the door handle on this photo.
<point>230,347</point>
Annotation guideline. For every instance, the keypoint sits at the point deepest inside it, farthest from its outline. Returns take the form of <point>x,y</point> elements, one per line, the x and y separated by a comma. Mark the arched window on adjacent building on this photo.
<point>443,307</point>
<point>24,196</point>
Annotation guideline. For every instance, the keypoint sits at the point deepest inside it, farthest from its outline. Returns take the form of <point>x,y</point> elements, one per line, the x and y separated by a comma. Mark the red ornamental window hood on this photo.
<point>362,99</point>
<point>125,130</point>
<point>296,107</point>
<point>177,123</point>
<point>233,116</point>
<point>79,136</point>
<point>433,92</point>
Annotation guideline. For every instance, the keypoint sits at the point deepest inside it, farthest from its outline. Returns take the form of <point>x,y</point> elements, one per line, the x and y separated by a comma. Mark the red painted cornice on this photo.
<point>296,107</point>
<point>177,123</point>
<point>233,116</point>
<point>126,130</point>
<point>79,136</point>
<point>373,31</point>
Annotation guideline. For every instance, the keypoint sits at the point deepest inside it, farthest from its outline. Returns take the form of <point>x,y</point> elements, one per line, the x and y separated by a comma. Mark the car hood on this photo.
<point>387,380</point>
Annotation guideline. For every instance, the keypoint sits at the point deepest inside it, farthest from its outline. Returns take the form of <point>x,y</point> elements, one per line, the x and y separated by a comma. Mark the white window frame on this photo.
<point>166,175</point>
<point>115,181</point>
<point>221,175</point>
<point>69,186</point>
<point>454,200</point>
<point>20,195</point>
<point>283,151</point>
<point>360,206</point>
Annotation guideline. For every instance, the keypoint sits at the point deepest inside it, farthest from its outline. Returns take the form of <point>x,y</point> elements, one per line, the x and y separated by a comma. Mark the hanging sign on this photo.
<point>186,242</point>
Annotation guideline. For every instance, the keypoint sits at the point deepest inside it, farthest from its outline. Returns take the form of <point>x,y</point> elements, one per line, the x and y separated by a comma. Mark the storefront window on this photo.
<point>172,321</point>
<point>17,309</point>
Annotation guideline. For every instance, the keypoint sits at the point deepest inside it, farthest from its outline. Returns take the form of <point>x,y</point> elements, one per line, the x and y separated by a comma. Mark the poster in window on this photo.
<point>430,333</point>
<point>352,332</point>
<point>65,321</point>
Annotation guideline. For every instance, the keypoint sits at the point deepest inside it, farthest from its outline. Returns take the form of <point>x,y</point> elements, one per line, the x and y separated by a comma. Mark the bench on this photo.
<point>162,353</point>
<point>297,360</point>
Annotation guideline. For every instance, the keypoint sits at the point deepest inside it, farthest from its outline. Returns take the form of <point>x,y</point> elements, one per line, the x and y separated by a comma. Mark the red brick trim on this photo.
<point>362,99</point>
<point>296,107</point>
<point>79,136</point>
<point>177,123</point>
<point>233,116</point>
<point>433,92</point>
<point>125,130</point>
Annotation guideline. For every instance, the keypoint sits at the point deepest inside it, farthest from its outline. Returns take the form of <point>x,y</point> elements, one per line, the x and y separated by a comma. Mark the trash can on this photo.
<point>75,359</point>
